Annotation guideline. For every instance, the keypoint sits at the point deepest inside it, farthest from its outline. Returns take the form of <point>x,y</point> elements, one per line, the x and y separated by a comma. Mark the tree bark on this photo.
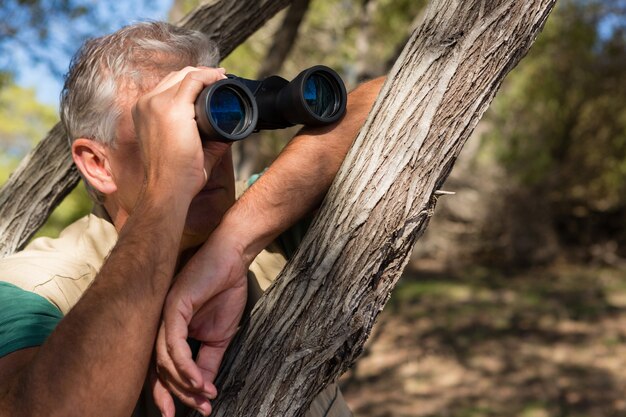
<point>40,182</point>
<point>47,174</point>
<point>312,323</point>
<point>230,22</point>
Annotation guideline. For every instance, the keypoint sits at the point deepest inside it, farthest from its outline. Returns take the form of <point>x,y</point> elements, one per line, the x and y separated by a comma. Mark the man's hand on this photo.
<point>205,303</point>
<point>164,122</point>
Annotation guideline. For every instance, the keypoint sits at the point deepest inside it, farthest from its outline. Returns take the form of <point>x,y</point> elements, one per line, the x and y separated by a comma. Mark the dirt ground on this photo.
<point>549,342</point>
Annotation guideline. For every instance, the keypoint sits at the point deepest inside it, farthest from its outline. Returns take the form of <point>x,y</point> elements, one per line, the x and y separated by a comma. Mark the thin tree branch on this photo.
<point>284,39</point>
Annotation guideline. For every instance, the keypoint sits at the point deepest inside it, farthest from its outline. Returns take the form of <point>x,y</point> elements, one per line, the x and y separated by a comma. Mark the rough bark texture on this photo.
<point>47,174</point>
<point>311,325</point>
<point>41,181</point>
<point>230,22</point>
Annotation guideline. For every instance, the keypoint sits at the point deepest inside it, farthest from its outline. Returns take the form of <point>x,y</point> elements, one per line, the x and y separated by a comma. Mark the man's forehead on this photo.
<point>131,88</point>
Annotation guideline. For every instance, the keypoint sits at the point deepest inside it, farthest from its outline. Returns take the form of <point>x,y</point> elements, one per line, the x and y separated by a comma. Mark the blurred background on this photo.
<point>514,302</point>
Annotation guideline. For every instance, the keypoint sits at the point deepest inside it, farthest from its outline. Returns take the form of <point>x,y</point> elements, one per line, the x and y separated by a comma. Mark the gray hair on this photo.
<point>134,56</point>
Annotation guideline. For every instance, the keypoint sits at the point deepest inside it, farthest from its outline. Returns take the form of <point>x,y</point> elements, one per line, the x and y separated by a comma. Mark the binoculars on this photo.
<point>233,108</point>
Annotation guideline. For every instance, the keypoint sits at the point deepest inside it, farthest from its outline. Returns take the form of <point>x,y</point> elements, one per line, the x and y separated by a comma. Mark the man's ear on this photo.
<point>91,158</point>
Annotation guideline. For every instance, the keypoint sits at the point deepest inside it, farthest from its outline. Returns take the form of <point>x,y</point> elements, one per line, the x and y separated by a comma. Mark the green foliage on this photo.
<point>5,79</point>
<point>23,122</point>
<point>559,122</point>
<point>76,205</point>
<point>180,8</point>
<point>392,22</point>
<point>328,36</point>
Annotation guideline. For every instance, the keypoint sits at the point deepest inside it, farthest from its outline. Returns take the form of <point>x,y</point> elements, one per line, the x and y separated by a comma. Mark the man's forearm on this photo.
<point>95,361</point>
<point>297,181</point>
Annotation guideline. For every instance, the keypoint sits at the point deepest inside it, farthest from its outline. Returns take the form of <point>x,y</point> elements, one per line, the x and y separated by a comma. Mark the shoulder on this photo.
<point>26,319</point>
<point>57,277</point>
<point>43,282</point>
<point>61,269</point>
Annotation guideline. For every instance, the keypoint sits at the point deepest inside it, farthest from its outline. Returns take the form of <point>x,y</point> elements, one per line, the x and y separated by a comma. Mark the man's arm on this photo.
<point>295,184</point>
<point>95,361</point>
<point>208,298</point>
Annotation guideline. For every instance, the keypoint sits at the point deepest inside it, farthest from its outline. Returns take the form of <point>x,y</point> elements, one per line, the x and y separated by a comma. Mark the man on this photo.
<point>79,315</point>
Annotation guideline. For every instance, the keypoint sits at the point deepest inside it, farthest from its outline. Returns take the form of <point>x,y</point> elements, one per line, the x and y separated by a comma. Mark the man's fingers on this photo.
<point>172,79</point>
<point>162,398</point>
<point>176,332</point>
<point>193,82</point>
<point>170,381</point>
<point>176,77</point>
<point>191,399</point>
<point>163,386</point>
<point>209,359</point>
<point>214,151</point>
<point>167,369</point>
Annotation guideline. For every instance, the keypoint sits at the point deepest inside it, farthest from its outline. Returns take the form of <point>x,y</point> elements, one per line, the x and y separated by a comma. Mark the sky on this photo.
<point>48,85</point>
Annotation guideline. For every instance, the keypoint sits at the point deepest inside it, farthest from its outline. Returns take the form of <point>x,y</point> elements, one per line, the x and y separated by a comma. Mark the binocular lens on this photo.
<point>228,110</point>
<point>231,109</point>
<point>321,95</point>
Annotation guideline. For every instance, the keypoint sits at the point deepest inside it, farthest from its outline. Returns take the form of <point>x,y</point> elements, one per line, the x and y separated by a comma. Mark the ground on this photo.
<point>482,343</point>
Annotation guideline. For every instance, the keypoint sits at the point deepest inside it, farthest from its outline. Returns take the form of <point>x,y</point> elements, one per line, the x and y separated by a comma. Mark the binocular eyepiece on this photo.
<point>233,108</point>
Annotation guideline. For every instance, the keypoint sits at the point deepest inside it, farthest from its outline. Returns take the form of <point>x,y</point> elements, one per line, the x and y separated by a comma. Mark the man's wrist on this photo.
<point>247,239</point>
<point>161,214</point>
<point>159,198</point>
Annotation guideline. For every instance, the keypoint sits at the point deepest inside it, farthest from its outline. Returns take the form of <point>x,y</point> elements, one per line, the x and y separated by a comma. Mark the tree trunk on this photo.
<point>230,22</point>
<point>47,174</point>
<point>311,325</point>
<point>40,182</point>
<point>284,39</point>
<point>364,34</point>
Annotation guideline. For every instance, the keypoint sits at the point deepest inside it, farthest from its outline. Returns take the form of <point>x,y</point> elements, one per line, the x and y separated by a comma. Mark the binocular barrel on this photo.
<point>233,108</point>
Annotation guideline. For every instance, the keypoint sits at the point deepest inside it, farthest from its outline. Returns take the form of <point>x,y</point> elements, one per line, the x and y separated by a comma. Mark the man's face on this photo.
<point>206,209</point>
